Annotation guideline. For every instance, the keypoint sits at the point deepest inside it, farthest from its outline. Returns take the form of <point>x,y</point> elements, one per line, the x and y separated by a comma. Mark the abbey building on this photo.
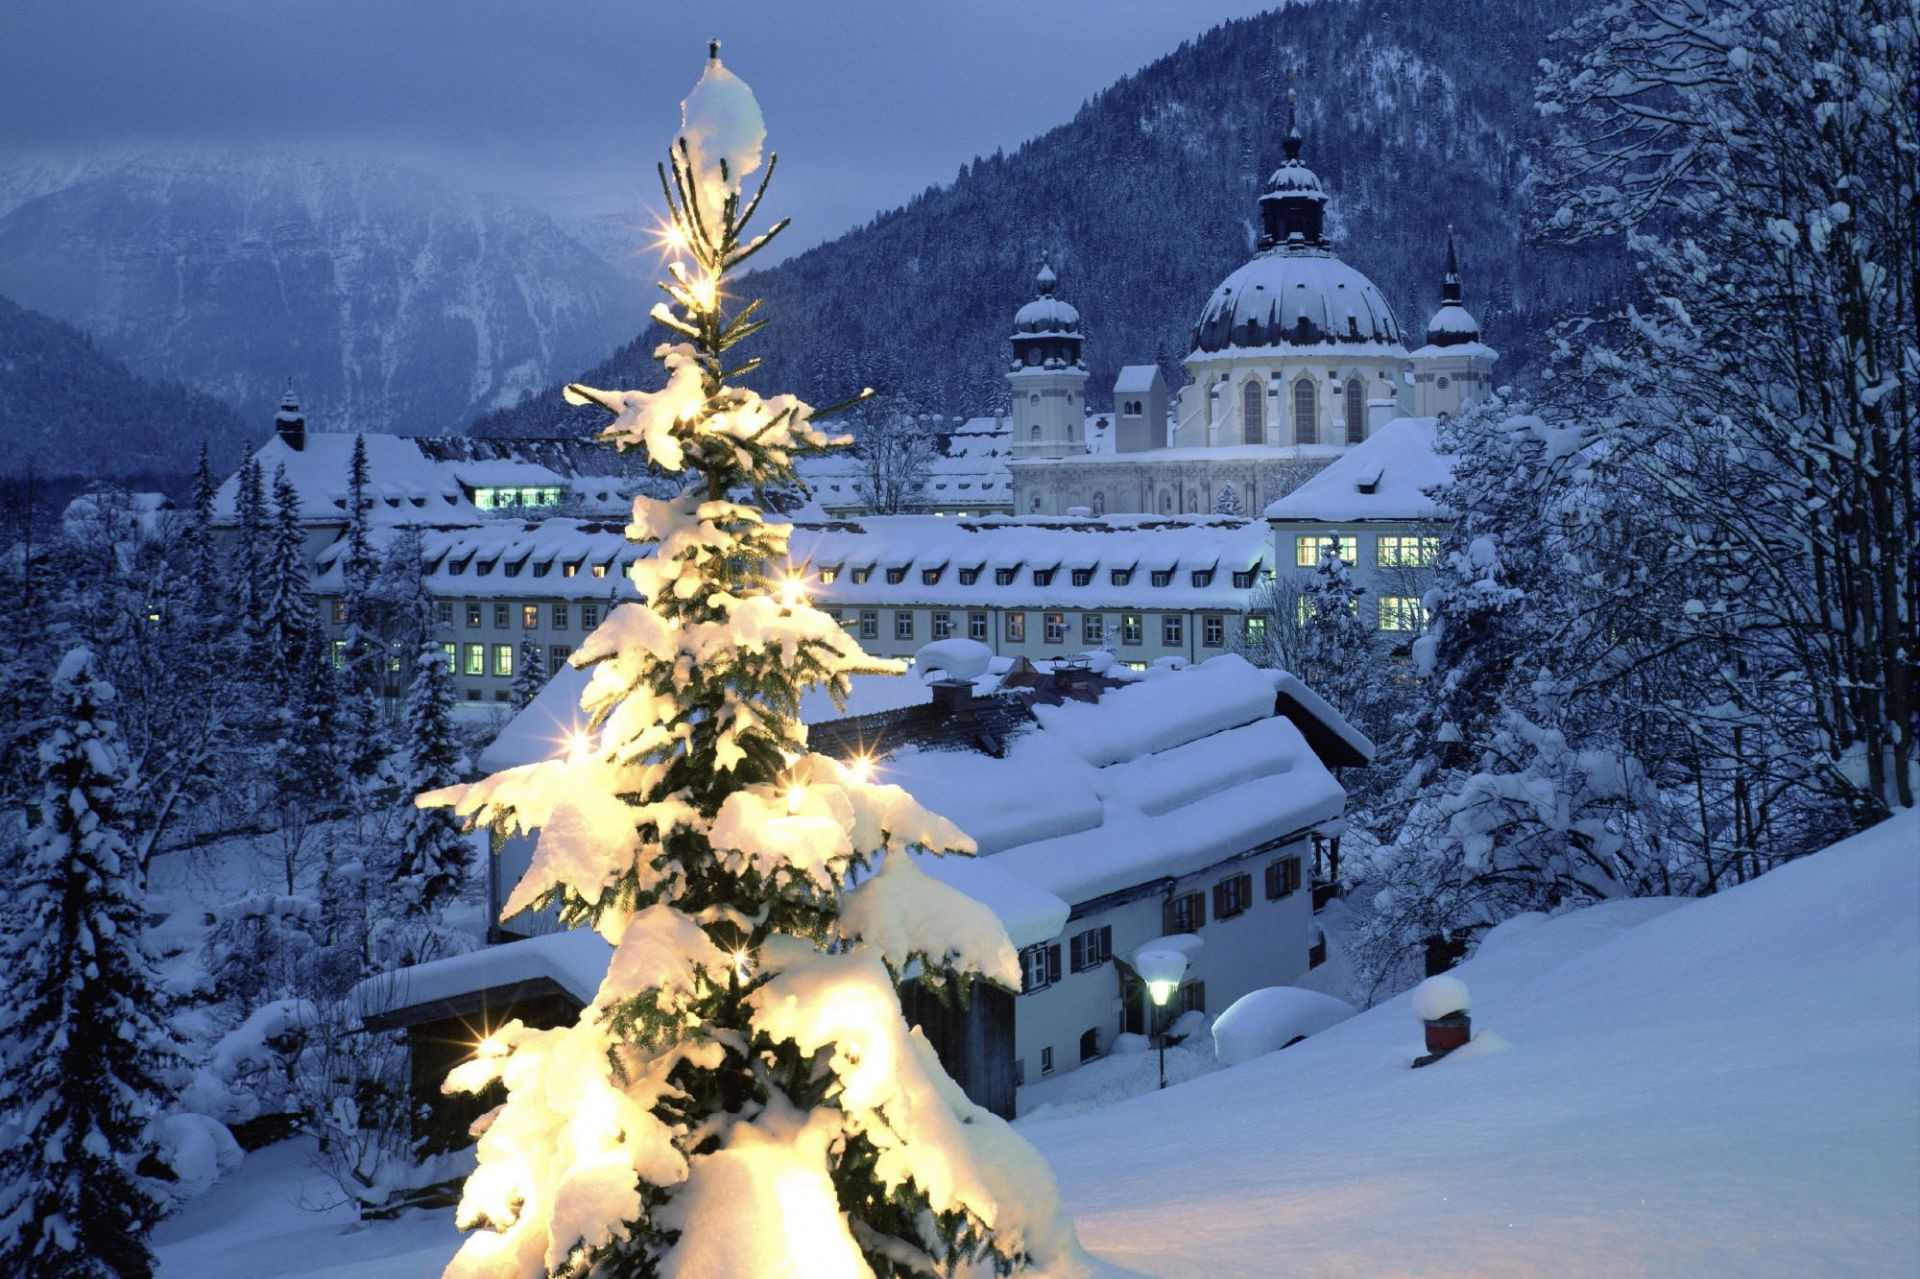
<point>1295,358</point>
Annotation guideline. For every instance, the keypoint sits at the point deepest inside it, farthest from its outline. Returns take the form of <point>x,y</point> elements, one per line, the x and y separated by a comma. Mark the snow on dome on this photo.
<point>1438,997</point>
<point>1295,178</point>
<point>721,120</point>
<point>1451,325</point>
<point>1046,315</point>
<point>1298,297</point>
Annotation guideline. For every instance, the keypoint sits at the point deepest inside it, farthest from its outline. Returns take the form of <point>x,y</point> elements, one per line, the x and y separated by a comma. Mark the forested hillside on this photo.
<point>1416,114</point>
<point>67,409</point>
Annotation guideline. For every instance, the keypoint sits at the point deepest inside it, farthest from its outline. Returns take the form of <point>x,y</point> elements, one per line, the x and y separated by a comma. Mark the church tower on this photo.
<point>1454,370</point>
<point>290,424</point>
<point>1047,379</point>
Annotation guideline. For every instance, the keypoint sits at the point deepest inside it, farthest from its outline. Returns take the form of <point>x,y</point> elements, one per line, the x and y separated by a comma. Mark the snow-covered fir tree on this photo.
<point>434,851</point>
<point>1227,501</point>
<point>247,556</point>
<point>529,674</point>
<point>1337,646</point>
<point>743,1094</point>
<point>287,622</point>
<point>83,1048</point>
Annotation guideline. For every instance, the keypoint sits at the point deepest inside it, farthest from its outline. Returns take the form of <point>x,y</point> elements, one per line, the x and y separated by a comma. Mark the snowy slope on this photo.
<point>1729,1086</point>
<point>395,301</point>
<point>1720,1087</point>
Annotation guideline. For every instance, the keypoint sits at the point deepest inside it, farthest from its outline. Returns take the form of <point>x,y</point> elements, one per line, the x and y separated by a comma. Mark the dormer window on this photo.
<point>1043,576</point>
<point>827,576</point>
<point>1121,576</point>
<point>1083,577</point>
<point>860,576</point>
<point>931,576</point>
<point>896,575</point>
<point>1163,577</point>
<point>1004,576</point>
<point>968,576</point>
<point>1203,577</point>
<point>1243,579</point>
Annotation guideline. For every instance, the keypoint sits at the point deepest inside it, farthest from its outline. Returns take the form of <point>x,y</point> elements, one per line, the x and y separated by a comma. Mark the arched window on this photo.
<point>1356,410</point>
<point>1036,432</point>
<point>1306,412</point>
<point>1253,413</point>
<point>1036,503</point>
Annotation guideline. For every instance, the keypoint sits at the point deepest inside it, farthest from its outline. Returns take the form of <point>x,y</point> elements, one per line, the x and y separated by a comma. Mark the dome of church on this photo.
<point>1295,296</point>
<point>1046,313</point>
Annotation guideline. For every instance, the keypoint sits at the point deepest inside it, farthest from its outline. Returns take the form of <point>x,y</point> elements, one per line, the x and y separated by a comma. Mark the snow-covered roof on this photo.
<point>1199,453</point>
<point>1136,377</point>
<point>513,557</point>
<point>1384,477</point>
<point>1479,350</point>
<point>953,551</point>
<point>1161,777</point>
<point>574,960</point>
<point>1290,293</point>
<point>1452,318</point>
<point>969,465</point>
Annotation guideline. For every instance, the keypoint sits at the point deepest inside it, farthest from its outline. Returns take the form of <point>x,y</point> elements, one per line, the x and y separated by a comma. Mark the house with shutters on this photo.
<point>1110,808</point>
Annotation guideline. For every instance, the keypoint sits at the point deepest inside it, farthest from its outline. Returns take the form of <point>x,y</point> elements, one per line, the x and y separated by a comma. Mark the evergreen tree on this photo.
<point>83,1047</point>
<point>433,850</point>
<point>1337,645</point>
<point>1227,501</point>
<point>744,1085</point>
<point>288,623</point>
<point>246,560</point>
<point>200,555</point>
<point>530,676</point>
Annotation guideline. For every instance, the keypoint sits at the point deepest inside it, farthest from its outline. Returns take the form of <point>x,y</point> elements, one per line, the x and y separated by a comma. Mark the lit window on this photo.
<point>1407,551</point>
<point>827,576</point>
<point>860,575</point>
<point>453,658</point>
<point>473,615</point>
<point>1056,627</point>
<point>339,612</point>
<point>1307,549</point>
<point>529,616</point>
<point>1131,628</point>
<point>338,650</point>
<point>503,659</point>
<point>1256,630</point>
<point>1401,613</point>
<point>1016,628</point>
<point>476,659</point>
<point>599,570</point>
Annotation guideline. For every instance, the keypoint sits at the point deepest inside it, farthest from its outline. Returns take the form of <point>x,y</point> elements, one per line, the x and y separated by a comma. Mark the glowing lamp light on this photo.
<point>796,796</point>
<point>861,768</point>
<point>1161,990</point>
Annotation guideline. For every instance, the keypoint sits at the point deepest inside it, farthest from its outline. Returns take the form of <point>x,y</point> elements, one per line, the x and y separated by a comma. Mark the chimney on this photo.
<point>953,698</point>
<point>288,423</point>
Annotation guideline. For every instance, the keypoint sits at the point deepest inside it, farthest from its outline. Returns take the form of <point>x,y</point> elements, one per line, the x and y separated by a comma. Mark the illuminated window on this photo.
<point>1307,549</point>
<point>453,658</point>
<point>338,650</point>
<point>599,570</point>
<point>339,612</point>
<point>1056,627</point>
<point>1131,628</point>
<point>476,659</point>
<point>1016,628</point>
<point>529,617</point>
<point>503,659</point>
<point>1401,613</point>
<point>1256,630</point>
<point>1397,551</point>
<point>473,615</point>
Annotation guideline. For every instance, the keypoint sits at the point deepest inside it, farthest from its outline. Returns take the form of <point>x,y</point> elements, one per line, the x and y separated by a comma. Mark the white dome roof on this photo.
<point>1265,303</point>
<point>1296,178</point>
<point>1046,315</point>
<point>1451,325</point>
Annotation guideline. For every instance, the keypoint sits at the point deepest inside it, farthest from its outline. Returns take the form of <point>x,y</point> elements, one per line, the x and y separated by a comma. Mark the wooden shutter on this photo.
<point>1106,942</point>
<point>1220,900</point>
<point>1167,921</point>
<point>1199,910</point>
<point>1053,963</point>
<point>1273,880</point>
<point>1079,951</point>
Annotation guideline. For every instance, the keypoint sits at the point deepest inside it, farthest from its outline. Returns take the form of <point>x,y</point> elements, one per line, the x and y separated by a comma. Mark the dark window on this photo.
<point>1163,577</point>
<point>557,655</point>
<point>1243,578</point>
<point>1093,629</point>
<point>1039,967</point>
<point>1043,576</point>
<point>1193,997</point>
<point>1019,1071</point>
<point>869,623</point>
<point>1092,948</point>
<point>1213,631</point>
<point>1203,577</point>
<point>1172,631</point>
<point>1232,896</point>
<point>443,613</point>
<point>1121,576</point>
<point>1283,877</point>
<point>339,612</point>
<point>1004,576</point>
<point>968,576</point>
<point>589,616</point>
<point>500,617</point>
<point>1185,913</point>
<point>903,625</point>
<point>942,625</point>
<point>1046,1061</point>
<point>1317,953</point>
<point>1083,577</point>
<point>559,617</point>
<point>1090,1044</point>
<point>977,626</point>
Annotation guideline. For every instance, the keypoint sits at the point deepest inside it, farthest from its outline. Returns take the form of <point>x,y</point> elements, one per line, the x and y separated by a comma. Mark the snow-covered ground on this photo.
<point>1722,1087</point>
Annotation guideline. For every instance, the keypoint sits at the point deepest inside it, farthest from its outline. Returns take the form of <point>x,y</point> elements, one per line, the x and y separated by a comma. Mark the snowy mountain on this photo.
<point>393,300</point>
<point>1415,113</point>
<point>70,410</point>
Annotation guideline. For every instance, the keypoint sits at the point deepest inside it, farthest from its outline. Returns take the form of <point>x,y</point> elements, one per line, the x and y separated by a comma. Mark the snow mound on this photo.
<point>956,658</point>
<point>1438,997</point>
<point>1265,1020</point>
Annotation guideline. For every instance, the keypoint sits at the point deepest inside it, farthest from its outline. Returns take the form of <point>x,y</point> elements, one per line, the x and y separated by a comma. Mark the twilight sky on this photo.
<point>568,103</point>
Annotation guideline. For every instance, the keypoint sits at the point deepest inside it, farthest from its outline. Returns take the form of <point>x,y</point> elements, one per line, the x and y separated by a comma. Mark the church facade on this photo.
<point>1296,358</point>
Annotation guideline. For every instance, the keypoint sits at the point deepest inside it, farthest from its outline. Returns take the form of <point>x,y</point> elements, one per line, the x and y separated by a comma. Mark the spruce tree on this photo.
<point>82,1045</point>
<point>200,557</point>
<point>287,622</point>
<point>248,555</point>
<point>1337,644</point>
<point>433,850</point>
<point>530,676</point>
<point>1227,501</point>
<point>743,1096</point>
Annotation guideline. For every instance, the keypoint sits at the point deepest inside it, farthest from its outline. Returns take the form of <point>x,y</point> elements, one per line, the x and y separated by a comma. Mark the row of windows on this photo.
<point>1232,896</point>
<point>471,659</point>
<point>458,568</point>
<point>1243,579</point>
<point>1391,612</point>
<point>1306,411</point>
<point>1390,550</point>
<point>1095,629</point>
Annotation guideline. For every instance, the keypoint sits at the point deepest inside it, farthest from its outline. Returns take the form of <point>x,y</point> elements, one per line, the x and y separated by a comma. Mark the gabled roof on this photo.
<point>1384,477</point>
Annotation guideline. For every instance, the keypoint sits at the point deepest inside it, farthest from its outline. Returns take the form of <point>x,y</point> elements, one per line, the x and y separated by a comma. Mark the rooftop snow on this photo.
<point>533,555</point>
<point>1398,462</point>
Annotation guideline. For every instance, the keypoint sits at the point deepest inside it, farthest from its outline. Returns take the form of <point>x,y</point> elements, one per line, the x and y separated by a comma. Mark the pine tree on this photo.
<point>433,850</point>
<point>287,620</point>
<point>1337,645</point>
<point>84,1050</point>
<point>530,676</point>
<point>245,561</point>
<point>1227,501</point>
<point>744,1093</point>
<point>201,561</point>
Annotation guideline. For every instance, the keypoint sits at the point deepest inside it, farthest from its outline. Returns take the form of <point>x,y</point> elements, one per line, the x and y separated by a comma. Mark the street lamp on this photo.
<point>1162,971</point>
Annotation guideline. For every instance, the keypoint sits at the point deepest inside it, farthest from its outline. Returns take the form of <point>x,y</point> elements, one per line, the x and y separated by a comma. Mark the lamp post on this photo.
<point>1162,971</point>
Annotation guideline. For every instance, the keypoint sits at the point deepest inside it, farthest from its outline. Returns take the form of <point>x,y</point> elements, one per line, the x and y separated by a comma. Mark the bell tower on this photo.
<point>1047,379</point>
